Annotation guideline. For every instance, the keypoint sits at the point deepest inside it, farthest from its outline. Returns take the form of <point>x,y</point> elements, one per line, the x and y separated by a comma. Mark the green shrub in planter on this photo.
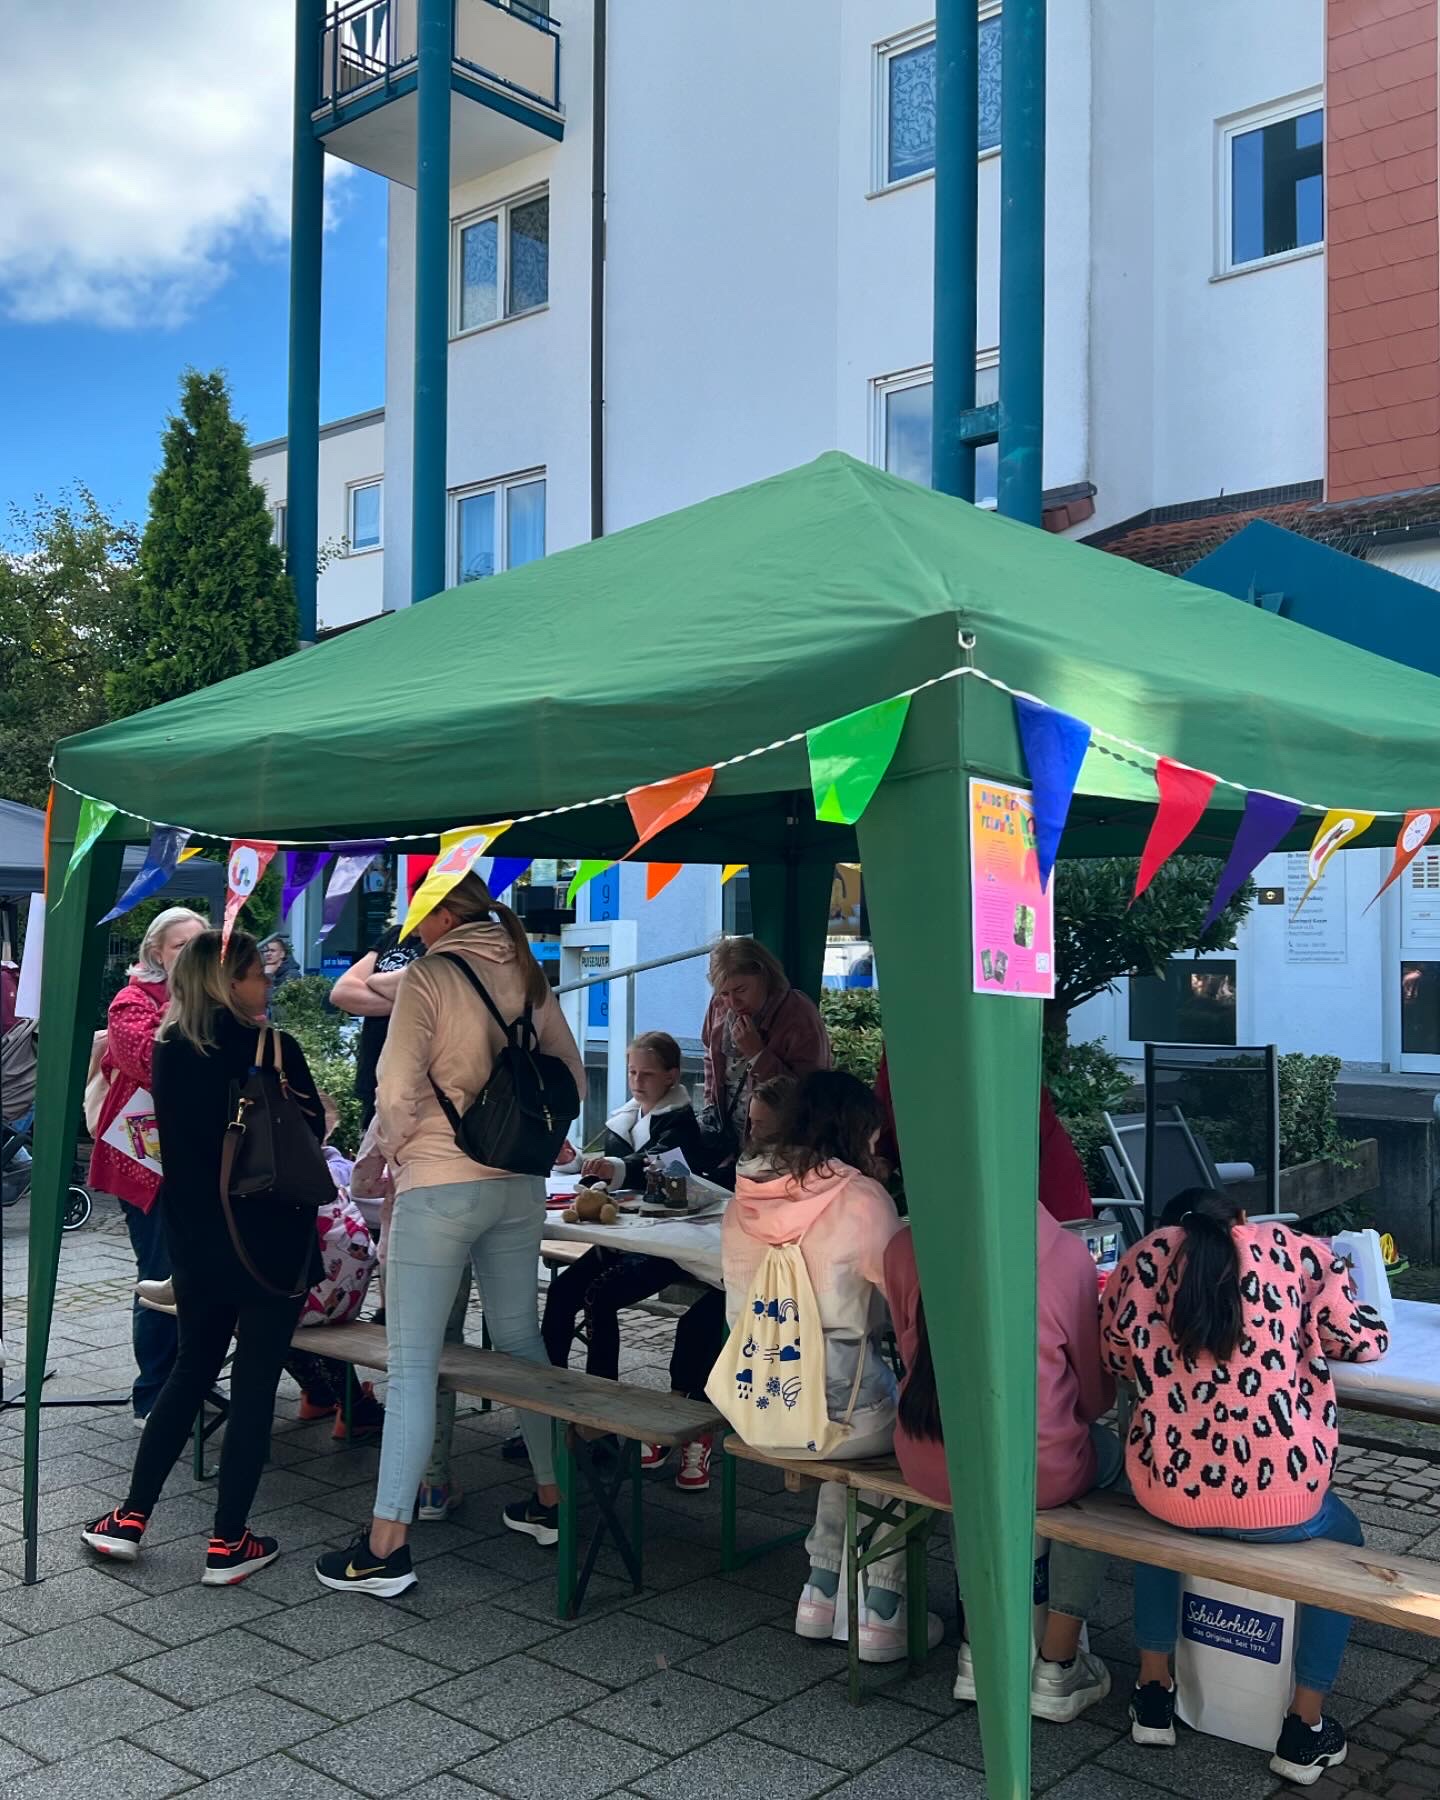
<point>852,1018</point>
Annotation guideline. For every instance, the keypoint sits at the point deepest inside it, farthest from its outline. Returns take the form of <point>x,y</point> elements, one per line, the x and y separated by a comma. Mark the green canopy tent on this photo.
<point>732,627</point>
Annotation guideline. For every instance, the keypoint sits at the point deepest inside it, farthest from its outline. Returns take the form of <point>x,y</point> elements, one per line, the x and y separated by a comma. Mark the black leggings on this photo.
<point>600,1285</point>
<point>262,1329</point>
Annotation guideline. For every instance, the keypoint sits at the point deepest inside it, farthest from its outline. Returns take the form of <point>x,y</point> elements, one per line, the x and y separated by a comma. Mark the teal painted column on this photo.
<point>436,41</point>
<point>1022,258</point>
<point>307,230</point>
<point>957,136</point>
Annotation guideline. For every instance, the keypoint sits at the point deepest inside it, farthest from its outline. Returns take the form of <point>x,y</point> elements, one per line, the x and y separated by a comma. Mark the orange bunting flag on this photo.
<point>665,803</point>
<point>49,819</point>
<point>658,877</point>
<point>1415,833</point>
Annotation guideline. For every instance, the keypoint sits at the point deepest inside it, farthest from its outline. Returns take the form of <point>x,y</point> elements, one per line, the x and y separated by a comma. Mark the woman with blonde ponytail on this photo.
<point>449,1210</point>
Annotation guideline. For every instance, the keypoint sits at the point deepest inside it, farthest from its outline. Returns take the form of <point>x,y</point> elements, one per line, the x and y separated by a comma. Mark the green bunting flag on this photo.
<point>95,815</point>
<point>849,757</point>
<point>588,870</point>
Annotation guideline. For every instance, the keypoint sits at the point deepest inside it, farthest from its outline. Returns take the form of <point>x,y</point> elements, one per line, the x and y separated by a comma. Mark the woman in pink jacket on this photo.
<point>130,1027</point>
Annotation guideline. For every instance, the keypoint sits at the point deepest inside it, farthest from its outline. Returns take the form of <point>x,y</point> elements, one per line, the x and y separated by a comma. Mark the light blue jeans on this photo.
<point>495,1226</point>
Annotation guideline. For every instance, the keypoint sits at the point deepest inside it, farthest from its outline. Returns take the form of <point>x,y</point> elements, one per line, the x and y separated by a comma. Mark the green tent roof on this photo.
<point>736,623</point>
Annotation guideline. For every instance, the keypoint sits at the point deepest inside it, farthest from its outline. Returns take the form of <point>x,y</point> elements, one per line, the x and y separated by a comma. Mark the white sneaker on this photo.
<point>159,1296</point>
<point>885,1640</point>
<point>815,1615</point>
<point>964,1688</point>
<point>1062,1694</point>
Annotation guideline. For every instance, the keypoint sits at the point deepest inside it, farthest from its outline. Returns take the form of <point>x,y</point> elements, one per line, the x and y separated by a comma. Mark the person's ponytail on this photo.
<point>1206,1315</point>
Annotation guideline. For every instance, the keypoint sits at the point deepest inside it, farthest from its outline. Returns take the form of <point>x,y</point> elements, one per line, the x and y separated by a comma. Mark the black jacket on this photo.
<point>195,1094</point>
<point>674,1128</point>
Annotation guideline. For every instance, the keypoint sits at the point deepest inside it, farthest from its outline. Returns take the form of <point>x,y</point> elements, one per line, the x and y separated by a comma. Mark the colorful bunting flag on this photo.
<point>166,844</point>
<point>459,853</point>
<point>588,870</point>
<point>660,804</point>
<point>95,815</point>
<point>849,757</point>
<point>658,877</point>
<point>730,871</point>
<point>1055,746</point>
<point>1264,824</point>
<point>1184,795</point>
<point>351,862</point>
<point>301,868</point>
<point>248,862</point>
<point>49,817</point>
<point>506,870</point>
<point>1336,828</point>
<point>1416,831</point>
<point>416,869</point>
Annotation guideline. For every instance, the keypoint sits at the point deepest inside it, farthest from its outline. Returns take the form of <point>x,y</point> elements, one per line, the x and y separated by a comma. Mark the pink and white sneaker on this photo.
<point>693,1476</point>
<point>653,1455</point>
<point>815,1615</point>
<point>884,1640</point>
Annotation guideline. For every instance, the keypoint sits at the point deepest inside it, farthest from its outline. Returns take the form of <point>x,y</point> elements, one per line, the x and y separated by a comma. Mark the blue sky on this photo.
<point>145,229</point>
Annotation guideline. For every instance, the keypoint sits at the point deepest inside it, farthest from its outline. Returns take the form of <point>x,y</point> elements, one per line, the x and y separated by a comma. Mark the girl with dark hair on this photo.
<point>1225,1328</point>
<point>1074,1454</point>
<point>817,1188</point>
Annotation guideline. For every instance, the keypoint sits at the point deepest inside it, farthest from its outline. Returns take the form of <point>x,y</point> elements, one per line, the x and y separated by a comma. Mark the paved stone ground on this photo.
<point>135,1682</point>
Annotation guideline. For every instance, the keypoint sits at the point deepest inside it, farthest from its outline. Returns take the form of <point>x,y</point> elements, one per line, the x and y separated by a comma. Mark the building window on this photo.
<point>1191,1003</point>
<point>902,426</point>
<point>364,516</point>
<point>499,526</point>
<point>277,525</point>
<point>1272,183</point>
<point>502,262</point>
<point>905,100</point>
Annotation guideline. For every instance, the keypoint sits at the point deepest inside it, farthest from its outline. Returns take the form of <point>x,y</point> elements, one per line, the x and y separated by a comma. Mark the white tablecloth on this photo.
<point>692,1243</point>
<point>1408,1374</point>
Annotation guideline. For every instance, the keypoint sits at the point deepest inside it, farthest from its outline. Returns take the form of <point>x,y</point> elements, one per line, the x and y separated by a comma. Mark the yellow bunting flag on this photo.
<point>1336,828</point>
<point>730,871</point>
<point>588,870</point>
<point>459,853</point>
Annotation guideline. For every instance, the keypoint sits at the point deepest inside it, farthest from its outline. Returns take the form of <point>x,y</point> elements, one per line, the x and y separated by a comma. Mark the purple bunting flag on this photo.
<point>351,862</point>
<point>505,871</point>
<point>1055,746</point>
<point>166,843</point>
<point>1266,821</point>
<point>301,868</point>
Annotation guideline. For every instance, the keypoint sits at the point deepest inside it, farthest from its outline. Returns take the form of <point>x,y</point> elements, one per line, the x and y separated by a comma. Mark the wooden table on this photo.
<point>1405,1383</point>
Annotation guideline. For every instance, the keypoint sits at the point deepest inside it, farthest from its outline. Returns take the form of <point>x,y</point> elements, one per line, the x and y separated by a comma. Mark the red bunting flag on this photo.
<point>248,862</point>
<point>664,803</point>
<point>1184,795</point>
<point>1416,831</point>
<point>658,877</point>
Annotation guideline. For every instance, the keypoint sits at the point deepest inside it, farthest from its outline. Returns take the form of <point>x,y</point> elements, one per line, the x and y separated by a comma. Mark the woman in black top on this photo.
<point>204,1050</point>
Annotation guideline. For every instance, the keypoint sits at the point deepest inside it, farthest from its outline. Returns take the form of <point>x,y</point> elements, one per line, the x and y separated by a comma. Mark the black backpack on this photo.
<point>518,1120</point>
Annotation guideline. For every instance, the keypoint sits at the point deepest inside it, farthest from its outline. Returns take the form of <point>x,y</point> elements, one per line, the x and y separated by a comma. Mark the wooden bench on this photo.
<point>582,1408</point>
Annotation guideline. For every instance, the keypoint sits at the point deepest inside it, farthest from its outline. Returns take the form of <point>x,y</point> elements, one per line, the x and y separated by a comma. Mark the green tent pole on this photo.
<point>789,906</point>
<point>69,992</point>
<point>965,1071</point>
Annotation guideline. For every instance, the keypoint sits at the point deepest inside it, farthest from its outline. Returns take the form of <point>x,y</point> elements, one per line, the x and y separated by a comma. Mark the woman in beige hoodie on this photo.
<point>450,1210</point>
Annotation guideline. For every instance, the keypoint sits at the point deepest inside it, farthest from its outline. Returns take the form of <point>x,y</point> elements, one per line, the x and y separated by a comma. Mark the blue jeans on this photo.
<point>154,1335</point>
<point>495,1226</point>
<point>1320,1636</point>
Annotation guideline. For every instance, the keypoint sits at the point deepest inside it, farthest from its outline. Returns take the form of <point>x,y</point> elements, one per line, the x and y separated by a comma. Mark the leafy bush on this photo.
<point>1085,1080</point>
<point>852,1017</point>
<point>302,1007</point>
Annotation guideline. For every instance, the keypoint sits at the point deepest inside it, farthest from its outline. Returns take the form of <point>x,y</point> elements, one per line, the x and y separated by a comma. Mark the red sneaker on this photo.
<point>367,1416</point>
<point>309,1410</point>
<point>693,1475</point>
<point>116,1535</point>
<point>228,1563</point>
<point>653,1455</point>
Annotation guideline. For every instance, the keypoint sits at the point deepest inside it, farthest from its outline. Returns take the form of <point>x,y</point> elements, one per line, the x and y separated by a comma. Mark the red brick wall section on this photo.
<point>1382,253</point>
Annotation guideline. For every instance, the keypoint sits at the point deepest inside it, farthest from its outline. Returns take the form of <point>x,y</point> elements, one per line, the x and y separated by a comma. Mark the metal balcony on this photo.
<point>505,85</point>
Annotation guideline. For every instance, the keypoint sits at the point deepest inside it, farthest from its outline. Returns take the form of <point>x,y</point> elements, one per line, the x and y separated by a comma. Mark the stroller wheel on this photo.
<point>78,1207</point>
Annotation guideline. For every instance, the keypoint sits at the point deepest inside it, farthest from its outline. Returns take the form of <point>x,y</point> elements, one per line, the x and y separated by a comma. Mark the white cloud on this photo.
<point>145,143</point>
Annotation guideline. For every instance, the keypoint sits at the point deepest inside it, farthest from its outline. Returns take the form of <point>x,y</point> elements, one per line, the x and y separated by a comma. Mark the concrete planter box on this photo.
<point>1310,1188</point>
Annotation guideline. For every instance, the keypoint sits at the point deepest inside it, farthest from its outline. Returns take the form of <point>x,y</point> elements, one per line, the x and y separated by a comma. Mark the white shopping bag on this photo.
<point>134,1133</point>
<point>1361,1249</point>
<point>1233,1661</point>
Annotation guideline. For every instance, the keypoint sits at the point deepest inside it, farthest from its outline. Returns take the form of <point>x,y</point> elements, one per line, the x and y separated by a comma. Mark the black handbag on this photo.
<point>271,1159</point>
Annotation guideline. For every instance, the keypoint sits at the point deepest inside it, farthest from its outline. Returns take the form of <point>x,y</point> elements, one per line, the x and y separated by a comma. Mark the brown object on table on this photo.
<point>593,1206</point>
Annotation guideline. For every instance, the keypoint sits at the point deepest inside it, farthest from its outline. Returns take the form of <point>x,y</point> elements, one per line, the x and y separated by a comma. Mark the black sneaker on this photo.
<point>1303,1754</point>
<point>1152,1714</point>
<point>116,1535</point>
<point>537,1521</point>
<point>359,1570</point>
<point>513,1449</point>
<point>228,1563</point>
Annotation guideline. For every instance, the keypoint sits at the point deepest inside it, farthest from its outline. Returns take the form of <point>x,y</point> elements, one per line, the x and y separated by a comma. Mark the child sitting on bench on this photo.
<point>1074,1454</point>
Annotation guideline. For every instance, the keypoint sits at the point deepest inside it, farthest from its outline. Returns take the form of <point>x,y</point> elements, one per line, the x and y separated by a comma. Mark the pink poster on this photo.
<point>1012,919</point>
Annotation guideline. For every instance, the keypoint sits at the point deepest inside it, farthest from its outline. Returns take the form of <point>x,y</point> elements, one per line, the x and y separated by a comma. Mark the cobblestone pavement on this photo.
<point>136,1682</point>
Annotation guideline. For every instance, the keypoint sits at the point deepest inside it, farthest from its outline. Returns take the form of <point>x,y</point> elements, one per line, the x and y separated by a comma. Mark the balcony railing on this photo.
<point>509,43</point>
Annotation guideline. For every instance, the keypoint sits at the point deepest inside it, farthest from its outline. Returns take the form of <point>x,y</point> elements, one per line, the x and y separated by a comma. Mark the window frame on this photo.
<point>278,517</point>
<point>920,375</point>
<point>500,486</point>
<point>499,210</point>
<point>352,488</point>
<point>883,54</point>
<point>1227,129</point>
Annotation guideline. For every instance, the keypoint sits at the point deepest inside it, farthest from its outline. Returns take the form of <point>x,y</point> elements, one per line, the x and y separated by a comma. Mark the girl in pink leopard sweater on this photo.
<point>1225,1328</point>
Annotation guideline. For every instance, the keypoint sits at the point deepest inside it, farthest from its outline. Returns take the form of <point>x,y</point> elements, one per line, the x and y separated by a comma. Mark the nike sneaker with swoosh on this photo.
<point>358,1569</point>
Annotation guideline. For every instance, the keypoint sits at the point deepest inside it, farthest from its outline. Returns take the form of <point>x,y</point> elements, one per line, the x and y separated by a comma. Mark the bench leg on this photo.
<point>917,1587</point>
<point>729,1560</point>
<point>347,1405</point>
<point>852,1589</point>
<point>485,1344</point>
<point>631,1453</point>
<point>568,1549</point>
